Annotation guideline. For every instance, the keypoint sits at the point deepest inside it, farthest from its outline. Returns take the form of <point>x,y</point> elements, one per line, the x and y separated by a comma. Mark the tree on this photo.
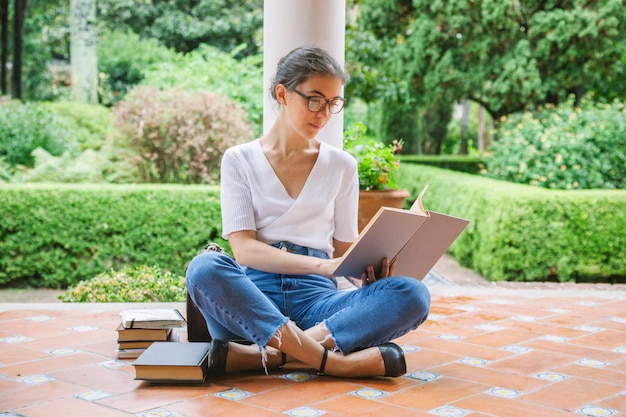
<point>4,44</point>
<point>510,55</point>
<point>372,41</point>
<point>18,39</point>
<point>185,24</point>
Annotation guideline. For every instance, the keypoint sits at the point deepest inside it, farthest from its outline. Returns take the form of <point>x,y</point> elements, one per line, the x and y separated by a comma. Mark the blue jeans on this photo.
<point>239,302</point>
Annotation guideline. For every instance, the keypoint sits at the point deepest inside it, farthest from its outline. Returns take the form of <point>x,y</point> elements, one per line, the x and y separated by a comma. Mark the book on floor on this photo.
<point>151,318</point>
<point>173,362</point>
<point>416,237</point>
<point>142,335</point>
<point>134,345</point>
<point>128,353</point>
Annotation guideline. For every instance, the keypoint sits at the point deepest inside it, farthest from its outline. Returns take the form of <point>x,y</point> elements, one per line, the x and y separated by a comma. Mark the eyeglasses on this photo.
<point>317,104</point>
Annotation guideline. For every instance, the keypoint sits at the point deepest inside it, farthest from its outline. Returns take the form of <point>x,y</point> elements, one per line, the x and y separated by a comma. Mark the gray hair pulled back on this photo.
<point>302,63</point>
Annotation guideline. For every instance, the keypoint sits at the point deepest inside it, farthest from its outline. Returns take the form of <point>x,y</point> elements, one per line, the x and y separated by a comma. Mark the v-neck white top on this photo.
<point>254,198</point>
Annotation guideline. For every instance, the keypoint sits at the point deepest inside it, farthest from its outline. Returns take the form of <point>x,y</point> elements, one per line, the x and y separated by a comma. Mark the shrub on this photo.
<point>178,136</point>
<point>142,284</point>
<point>55,235</point>
<point>89,166</point>
<point>207,68</point>
<point>463,163</point>
<point>90,157</point>
<point>523,233</point>
<point>378,163</point>
<point>564,147</point>
<point>26,127</point>
<point>123,59</point>
<point>90,125</point>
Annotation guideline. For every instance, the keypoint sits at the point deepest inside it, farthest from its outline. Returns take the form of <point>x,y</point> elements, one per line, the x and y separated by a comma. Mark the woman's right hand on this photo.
<point>368,276</point>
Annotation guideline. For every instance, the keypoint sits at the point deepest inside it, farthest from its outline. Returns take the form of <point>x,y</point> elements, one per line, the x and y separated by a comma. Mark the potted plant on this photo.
<point>378,164</point>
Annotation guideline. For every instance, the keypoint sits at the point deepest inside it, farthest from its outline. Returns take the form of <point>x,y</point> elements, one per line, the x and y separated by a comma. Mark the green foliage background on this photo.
<point>23,128</point>
<point>565,147</point>
<point>208,68</point>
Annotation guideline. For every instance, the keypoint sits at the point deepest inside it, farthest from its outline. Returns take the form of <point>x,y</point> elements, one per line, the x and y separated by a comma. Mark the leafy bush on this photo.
<point>92,155</point>
<point>142,284</point>
<point>207,68</point>
<point>88,167</point>
<point>184,25</point>
<point>26,127</point>
<point>463,163</point>
<point>178,136</point>
<point>90,125</point>
<point>564,147</point>
<point>523,233</point>
<point>378,163</point>
<point>55,235</point>
<point>123,59</point>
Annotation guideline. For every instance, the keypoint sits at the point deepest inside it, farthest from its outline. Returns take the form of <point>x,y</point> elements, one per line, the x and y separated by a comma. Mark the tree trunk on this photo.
<point>465,120</point>
<point>83,51</point>
<point>435,119</point>
<point>482,131</point>
<point>18,40</point>
<point>4,44</point>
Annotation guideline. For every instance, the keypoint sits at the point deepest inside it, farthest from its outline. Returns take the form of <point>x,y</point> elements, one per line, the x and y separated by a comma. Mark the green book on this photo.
<point>173,362</point>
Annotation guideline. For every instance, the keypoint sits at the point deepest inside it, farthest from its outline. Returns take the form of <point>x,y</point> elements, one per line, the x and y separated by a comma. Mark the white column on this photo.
<point>83,51</point>
<point>288,24</point>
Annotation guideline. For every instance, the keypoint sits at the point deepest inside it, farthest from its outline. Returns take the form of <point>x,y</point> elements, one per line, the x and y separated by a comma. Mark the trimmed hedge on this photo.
<point>54,235</point>
<point>524,233</point>
<point>462,163</point>
<point>57,235</point>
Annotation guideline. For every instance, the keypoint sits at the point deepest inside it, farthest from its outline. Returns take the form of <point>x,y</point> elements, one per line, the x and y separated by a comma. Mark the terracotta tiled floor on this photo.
<point>485,351</point>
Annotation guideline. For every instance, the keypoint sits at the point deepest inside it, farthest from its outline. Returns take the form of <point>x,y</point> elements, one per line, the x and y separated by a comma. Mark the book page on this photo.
<point>418,205</point>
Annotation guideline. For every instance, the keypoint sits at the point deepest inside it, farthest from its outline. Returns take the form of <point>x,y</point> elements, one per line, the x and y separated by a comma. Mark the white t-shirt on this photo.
<point>253,198</point>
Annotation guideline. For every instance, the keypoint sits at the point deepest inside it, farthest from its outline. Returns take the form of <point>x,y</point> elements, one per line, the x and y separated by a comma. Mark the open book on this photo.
<point>151,318</point>
<point>416,237</point>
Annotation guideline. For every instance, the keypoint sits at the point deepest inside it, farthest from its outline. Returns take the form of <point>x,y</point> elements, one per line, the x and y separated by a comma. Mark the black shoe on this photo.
<point>393,357</point>
<point>217,357</point>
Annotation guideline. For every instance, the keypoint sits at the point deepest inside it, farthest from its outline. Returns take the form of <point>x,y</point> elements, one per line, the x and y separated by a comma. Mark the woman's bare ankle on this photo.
<point>243,358</point>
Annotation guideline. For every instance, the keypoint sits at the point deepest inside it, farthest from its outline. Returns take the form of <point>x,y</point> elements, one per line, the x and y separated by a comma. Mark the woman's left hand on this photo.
<point>368,276</point>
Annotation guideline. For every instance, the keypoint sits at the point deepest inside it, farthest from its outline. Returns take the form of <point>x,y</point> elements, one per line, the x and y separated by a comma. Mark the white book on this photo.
<point>152,318</point>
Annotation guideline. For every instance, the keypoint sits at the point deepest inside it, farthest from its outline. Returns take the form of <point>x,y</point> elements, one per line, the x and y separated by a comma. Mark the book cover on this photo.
<point>128,353</point>
<point>151,318</point>
<point>142,335</point>
<point>180,362</point>
<point>134,345</point>
<point>417,238</point>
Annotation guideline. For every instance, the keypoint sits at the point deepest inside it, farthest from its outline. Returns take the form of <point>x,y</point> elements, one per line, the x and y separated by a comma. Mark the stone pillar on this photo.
<point>83,51</point>
<point>288,24</point>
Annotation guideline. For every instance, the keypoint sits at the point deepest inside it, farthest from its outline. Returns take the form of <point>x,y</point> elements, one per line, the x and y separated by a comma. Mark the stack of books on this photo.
<point>140,328</point>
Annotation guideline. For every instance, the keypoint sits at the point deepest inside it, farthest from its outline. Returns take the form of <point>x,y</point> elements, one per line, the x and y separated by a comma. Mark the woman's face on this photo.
<point>305,122</point>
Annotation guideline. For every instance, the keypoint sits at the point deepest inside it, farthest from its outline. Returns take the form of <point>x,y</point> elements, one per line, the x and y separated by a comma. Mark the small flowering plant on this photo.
<point>378,163</point>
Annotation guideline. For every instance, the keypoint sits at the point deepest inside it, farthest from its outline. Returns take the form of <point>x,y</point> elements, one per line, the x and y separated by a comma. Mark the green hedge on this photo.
<point>524,233</point>
<point>462,163</point>
<point>57,235</point>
